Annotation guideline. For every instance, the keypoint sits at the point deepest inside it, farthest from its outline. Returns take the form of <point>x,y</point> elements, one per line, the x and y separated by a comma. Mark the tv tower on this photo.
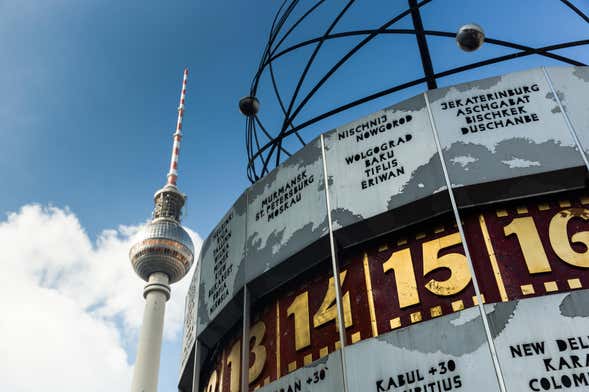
<point>163,255</point>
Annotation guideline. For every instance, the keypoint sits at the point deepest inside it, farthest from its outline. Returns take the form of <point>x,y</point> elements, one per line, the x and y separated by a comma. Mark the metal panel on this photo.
<point>221,263</point>
<point>382,162</point>
<point>442,354</point>
<point>503,128</point>
<point>431,328</point>
<point>221,369</point>
<point>536,248</point>
<point>190,318</point>
<point>286,211</point>
<point>323,375</point>
<point>572,87</point>
<point>531,248</point>
<point>544,344</point>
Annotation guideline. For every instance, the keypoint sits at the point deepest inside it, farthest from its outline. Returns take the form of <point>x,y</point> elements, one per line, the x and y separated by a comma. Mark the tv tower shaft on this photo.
<point>163,255</point>
<point>147,363</point>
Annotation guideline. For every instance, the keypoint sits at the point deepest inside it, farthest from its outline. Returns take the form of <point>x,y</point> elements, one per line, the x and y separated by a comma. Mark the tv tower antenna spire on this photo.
<point>163,255</point>
<point>173,173</point>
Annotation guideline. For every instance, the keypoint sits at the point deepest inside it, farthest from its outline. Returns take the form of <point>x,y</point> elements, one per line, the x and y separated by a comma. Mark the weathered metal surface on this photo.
<point>382,162</point>
<point>536,251</point>
<point>286,211</point>
<point>531,248</point>
<point>324,375</point>
<point>410,287</point>
<point>445,354</point>
<point>503,128</point>
<point>189,335</point>
<point>221,263</point>
<point>544,346</point>
<point>572,86</point>
<point>415,280</point>
<point>222,369</point>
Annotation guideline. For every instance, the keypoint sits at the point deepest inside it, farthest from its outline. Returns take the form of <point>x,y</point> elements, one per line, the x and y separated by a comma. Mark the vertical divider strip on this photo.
<point>335,267</point>
<point>197,345</point>
<point>475,283</point>
<point>566,118</point>
<point>245,342</point>
<point>196,365</point>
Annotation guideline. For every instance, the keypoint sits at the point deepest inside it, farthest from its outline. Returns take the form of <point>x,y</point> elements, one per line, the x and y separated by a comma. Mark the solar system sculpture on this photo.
<point>266,150</point>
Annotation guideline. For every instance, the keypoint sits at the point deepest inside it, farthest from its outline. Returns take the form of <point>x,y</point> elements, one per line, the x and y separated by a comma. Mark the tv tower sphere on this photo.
<point>164,245</point>
<point>163,255</point>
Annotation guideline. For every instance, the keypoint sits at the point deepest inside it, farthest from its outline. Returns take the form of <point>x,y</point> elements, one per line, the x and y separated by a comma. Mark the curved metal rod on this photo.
<point>575,10</point>
<point>512,45</point>
<point>299,21</point>
<point>247,143</point>
<point>251,128</point>
<point>333,69</point>
<point>445,34</point>
<point>274,30</point>
<point>251,169</point>
<point>253,125</point>
<point>306,70</point>
<point>282,21</point>
<point>345,58</point>
<point>268,51</point>
<point>257,120</point>
<point>275,55</point>
<point>411,31</point>
<point>270,56</point>
<point>251,137</point>
<point>433,33</point>
<point>280,102</point>
<point>451,35</point>
<point>437,75</point>
<point>452,71</point>
<point>272,33</point>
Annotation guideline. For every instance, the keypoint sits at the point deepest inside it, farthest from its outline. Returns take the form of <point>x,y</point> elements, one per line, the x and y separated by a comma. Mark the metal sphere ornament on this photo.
<point>470,37</point>
<point>249,106</point>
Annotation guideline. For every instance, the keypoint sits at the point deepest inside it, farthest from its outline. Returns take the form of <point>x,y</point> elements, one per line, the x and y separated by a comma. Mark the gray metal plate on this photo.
<point>572,87</point>
<point>448,352</point>
<point>545,343</point>
<point>189,335</point>
<point>286,210</point>
<point>382,162</point>
<point>221,264</point>
<point>528,132</point>
<point>323,375</point>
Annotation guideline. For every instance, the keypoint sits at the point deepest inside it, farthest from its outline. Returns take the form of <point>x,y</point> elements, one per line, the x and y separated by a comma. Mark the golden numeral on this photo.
<point>402,266</point>
<point>299,309</point>
<point>529,241</point>
<point>559,239</point>
<point>328,309</point>
<point>234,363</point>
<point>257,333</point>
<point>212,384</point>
<point>455,262</point>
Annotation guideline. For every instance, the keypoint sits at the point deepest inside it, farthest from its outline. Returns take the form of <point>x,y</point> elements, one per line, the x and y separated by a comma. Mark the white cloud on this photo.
<point>69,305</point>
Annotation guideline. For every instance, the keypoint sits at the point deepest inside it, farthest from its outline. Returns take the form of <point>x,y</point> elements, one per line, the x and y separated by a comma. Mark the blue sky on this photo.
<point>88,97</point>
